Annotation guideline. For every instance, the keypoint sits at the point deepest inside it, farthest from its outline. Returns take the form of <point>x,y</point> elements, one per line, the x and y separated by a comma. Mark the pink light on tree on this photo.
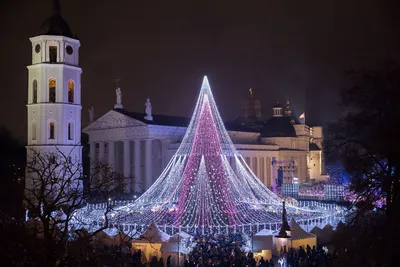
<point>205,154</point>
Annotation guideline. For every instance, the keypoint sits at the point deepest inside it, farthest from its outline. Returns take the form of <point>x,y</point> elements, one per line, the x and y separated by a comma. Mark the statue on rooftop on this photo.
<point>118,93</point>
<point>119,96</point>
<point>148,106</point>
<point>91,114</point>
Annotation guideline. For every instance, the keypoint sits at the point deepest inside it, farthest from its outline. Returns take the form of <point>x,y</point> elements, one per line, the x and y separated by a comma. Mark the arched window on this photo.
<point>53,54</point>
<point>71,87</point>
<point>52,130</point>
<point>70,131</point>
<point>34,96</point>
<point>33,130</point>
<point>52,90</point>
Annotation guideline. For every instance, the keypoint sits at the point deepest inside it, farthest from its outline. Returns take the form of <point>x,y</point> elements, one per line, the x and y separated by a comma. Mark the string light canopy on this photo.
<point>207,184</point>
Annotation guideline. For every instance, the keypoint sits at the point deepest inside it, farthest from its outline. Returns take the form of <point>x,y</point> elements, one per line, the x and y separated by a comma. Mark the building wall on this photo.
<point>315,165</point>
<point>318,138</point>
<point>282,142</point>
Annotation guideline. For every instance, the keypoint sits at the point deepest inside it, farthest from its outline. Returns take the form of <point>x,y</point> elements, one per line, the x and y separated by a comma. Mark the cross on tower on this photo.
<point>56,6</point>
<point>117,81</point>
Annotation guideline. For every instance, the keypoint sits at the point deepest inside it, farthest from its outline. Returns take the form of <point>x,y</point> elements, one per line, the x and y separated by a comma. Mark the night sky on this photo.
<point>161,49</point>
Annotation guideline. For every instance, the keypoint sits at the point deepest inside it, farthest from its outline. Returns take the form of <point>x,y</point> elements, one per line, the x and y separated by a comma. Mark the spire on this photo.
<point>56,6</point>
<point>252,108</point>
<point>117,82</point>
<point>55,24</point>
<point>288,110</point>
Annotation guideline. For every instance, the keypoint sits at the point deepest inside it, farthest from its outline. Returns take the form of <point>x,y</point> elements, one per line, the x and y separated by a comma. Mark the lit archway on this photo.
<point>52,90</point>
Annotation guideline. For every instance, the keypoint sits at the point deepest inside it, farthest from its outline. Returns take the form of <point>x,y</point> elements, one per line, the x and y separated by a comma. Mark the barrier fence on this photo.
<point>333,215</point>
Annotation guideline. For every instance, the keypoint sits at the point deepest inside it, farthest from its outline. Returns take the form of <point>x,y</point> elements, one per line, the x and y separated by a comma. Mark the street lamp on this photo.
<point>285,224</point>
<point>283,235</point>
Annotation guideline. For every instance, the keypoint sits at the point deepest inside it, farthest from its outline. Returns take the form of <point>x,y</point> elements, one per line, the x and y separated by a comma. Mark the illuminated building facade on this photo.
<point>140,145</point>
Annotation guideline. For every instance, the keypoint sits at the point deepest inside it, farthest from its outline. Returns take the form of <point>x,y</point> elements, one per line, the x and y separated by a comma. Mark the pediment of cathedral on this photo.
<point>113,120</point>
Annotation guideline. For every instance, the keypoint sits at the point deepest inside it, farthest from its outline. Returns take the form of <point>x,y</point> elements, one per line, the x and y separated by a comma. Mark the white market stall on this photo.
<point>300,237</point>
<point>326,235</point>
<point>317,232</point>
<point>150,243</point>
<point>179,243</point>
<point>263,244</point>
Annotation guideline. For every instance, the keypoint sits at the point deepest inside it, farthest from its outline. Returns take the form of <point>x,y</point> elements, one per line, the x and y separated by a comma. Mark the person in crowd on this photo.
<point>169,261</point>
<point>161,262</point>
<point>154,262</point>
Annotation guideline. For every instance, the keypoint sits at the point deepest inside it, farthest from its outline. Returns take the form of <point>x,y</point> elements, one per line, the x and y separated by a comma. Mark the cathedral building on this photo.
<point>281,149</point>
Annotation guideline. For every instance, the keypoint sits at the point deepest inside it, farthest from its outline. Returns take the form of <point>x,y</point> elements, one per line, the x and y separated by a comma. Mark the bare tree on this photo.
<point>101,248</point>
<point>54,192</point>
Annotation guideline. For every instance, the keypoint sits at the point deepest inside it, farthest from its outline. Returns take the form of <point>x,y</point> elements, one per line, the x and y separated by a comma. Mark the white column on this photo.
<point>266,176</point>
<point>273,181</point>
<point>111,154</point>
<point>127,163</point>
<point>251,163</point>
<point>148,171</point>
<point>259,174</point>
<point>164,154</point>
<point>138,181</point>
<point>101,151</point>
<point>92,152</point>
<point>92,157</point>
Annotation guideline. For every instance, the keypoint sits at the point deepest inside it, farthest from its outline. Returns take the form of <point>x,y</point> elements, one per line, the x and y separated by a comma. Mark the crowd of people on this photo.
<point>306,257</point>
<point>221,250</point>
<point>314,190</point>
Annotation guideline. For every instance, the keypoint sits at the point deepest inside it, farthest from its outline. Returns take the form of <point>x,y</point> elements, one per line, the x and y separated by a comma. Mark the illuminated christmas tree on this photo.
<point>207,184</point>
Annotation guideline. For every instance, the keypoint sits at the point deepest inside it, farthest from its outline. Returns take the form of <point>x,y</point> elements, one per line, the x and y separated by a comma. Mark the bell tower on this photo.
<point>54,89</point>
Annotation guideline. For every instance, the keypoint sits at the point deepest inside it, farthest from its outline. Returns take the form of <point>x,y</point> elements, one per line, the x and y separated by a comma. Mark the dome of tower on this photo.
<point>278,127</point>
<point>55,24</point>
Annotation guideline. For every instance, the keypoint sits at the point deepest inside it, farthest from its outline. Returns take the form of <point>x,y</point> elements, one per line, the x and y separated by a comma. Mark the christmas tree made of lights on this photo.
<point>207,183</point>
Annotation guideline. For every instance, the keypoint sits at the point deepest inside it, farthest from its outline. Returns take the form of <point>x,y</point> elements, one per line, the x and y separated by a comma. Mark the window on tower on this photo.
<point>34,96</point>
<point>52,130</point>
<point>33,130</point>
<point>71,87</point>
<point>70,131</point>
<point>53,54</point>
<point>52,90</point>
